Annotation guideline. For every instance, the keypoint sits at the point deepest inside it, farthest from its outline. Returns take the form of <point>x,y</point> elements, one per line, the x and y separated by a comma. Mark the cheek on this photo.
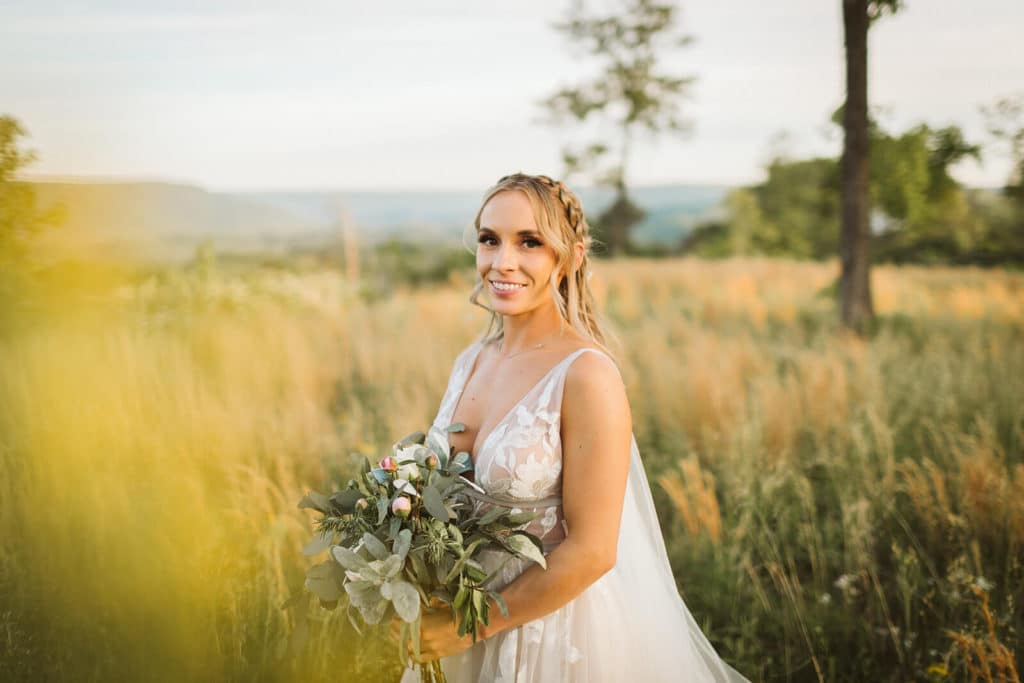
<point>543,266</point>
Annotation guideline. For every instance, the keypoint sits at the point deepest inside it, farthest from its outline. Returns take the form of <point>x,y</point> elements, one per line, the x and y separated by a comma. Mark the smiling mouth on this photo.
<point>506,287</point>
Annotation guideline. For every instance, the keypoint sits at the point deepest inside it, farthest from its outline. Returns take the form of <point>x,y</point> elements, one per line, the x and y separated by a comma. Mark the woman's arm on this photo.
<point>597,431</point>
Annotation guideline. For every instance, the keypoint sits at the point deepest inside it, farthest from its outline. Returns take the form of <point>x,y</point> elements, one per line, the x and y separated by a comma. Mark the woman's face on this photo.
<point>510,250</point>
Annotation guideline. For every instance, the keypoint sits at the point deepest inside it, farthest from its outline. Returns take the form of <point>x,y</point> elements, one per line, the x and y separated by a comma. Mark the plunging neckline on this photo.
<point>509,412</point>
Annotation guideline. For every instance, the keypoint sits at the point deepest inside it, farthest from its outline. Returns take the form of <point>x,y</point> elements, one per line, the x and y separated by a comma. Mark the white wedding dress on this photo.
<point>629,625</point>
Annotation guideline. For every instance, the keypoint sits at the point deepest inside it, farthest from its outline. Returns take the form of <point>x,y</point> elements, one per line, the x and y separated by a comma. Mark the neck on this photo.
<point>538,326</point>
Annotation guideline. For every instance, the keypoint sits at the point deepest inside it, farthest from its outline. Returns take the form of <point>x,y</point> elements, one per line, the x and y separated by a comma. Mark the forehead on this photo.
<point>508,210</point>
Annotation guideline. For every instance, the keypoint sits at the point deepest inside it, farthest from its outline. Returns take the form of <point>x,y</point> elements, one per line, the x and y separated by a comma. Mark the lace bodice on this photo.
<point>519,462</point>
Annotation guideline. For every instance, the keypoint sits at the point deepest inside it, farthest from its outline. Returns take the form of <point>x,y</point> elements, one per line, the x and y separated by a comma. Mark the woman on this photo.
<point>548,428</point>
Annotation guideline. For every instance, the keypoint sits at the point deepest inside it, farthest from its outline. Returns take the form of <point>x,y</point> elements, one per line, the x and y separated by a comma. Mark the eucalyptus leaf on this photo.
<point>455,427</point>
<point>348,558</point>
<point>457,567</point>
<point>375,613</point>
<point>406,600</point>
<point>363,594</point>
<point>351,618</point>
<point>501,602</point>
<point>492,515</point>
<point>391,567</point>
<point>382,510</point>
<point>442,481</point>
<point>315,501</point>
<point>439,451</point>
<point>460,597</point>
<point>375,546</point>
<point>371,572</point>
<point>414,438</point>
<point>319,543</point>
<point>523,545</point>
<point>324,580</point>
<point>402,543</point>
<point>434,505</point>
<point>393,526</point>
<point>382,476</point>
<point>346,500</point>
<point>520,518</point>
<point>419,567</point>
<point>475,574</point>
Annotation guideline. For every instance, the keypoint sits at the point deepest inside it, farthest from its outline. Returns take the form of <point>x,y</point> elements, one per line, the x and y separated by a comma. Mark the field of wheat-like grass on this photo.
<point>836,508</point>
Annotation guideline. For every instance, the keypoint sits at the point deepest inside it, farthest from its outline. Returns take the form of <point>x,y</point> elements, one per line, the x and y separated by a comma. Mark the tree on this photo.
<point>19,219</point>
<point>630,94</point>
<point>920,213</point>
<point>1005,119</point>
<point>857,309</point>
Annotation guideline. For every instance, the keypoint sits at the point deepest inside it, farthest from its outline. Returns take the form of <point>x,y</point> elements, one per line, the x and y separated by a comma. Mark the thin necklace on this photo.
<point>513,355</point>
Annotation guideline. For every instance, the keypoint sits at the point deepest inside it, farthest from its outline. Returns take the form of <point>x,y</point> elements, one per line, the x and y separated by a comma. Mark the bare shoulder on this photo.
<point>594,389</point>
<point>593,371</point>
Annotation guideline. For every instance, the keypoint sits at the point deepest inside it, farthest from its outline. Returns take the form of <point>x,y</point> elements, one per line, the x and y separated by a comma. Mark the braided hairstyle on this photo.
<point>559,216</point>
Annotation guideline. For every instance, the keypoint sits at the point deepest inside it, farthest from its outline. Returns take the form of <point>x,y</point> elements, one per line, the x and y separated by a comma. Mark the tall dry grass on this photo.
<point>831,504</point>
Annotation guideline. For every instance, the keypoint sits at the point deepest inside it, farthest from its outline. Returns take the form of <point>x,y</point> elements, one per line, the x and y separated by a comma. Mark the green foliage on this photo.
<point>921,213</point>
<point>630,94</point>
<point>20,220</point>
<point>396,263</point>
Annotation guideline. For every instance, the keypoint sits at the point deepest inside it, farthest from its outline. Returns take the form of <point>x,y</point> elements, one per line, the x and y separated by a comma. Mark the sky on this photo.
<point>445,94</point>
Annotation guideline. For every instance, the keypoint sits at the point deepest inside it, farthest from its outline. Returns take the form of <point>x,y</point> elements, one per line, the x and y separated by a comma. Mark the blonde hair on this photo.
<point>560,220</point>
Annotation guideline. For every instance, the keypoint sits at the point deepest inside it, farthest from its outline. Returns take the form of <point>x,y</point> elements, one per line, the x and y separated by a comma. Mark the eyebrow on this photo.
<point>521,233</point>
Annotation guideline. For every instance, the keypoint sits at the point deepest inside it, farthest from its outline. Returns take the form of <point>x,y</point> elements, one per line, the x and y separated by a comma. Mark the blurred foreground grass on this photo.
<point>835,508</point>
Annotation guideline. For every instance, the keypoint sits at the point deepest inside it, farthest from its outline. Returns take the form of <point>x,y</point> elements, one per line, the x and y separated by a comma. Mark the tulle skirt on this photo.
<point>596,637</point>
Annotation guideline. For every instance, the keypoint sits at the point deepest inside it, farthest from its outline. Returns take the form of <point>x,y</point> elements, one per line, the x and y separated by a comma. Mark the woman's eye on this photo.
<point>530,242</point>
<point>484,239</point>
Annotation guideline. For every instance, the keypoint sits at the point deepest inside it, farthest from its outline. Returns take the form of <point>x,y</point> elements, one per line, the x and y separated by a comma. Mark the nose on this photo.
<point>504,258</point>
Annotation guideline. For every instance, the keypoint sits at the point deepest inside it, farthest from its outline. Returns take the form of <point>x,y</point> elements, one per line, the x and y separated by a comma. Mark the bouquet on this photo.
<point>406,532</point>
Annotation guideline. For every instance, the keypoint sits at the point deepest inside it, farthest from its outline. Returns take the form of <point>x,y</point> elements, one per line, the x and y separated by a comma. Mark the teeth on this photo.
<point>506,288</point>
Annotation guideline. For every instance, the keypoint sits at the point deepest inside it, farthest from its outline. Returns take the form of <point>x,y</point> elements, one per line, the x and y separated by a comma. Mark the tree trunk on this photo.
<point>855,237</point>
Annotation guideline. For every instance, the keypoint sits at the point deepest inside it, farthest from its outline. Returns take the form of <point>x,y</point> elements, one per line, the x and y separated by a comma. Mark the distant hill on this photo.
<point>166,221</point>
<point>672,209</point>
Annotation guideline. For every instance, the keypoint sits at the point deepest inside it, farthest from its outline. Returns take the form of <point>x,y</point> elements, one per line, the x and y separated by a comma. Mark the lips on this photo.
<point>505,289</point>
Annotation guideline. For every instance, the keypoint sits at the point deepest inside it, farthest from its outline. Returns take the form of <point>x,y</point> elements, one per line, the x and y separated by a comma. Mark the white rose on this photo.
<point>407,453</point>
<point>409,471</point>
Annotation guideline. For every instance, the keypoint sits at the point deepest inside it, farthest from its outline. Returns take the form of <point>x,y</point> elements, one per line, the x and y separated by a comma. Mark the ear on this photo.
<point>579,250</point>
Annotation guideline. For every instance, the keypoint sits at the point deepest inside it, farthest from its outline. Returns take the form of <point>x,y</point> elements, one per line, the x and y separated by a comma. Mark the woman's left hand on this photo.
<point>439,634</point>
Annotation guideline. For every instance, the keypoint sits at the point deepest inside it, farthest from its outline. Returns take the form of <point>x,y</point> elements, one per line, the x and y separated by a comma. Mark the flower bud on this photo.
<point>401,507</point>
<point>432,462</point>
<point>362,504</point>
<point>388,463</point>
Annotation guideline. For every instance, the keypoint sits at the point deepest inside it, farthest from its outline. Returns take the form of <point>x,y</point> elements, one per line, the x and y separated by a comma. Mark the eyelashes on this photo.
<point>529,241</point>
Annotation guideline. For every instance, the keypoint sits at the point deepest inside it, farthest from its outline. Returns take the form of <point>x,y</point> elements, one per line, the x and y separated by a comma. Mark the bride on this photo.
<point>548,428</point>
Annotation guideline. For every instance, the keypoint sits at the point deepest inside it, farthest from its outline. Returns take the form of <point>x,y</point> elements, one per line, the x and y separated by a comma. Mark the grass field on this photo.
<point>835,508</point>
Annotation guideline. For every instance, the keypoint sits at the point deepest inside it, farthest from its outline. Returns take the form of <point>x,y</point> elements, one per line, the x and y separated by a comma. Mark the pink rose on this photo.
<point>401,507</point>
<point>389,464</point>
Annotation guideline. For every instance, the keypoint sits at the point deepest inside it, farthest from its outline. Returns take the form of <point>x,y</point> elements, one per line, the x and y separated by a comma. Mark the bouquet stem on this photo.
<point>431,672</point>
